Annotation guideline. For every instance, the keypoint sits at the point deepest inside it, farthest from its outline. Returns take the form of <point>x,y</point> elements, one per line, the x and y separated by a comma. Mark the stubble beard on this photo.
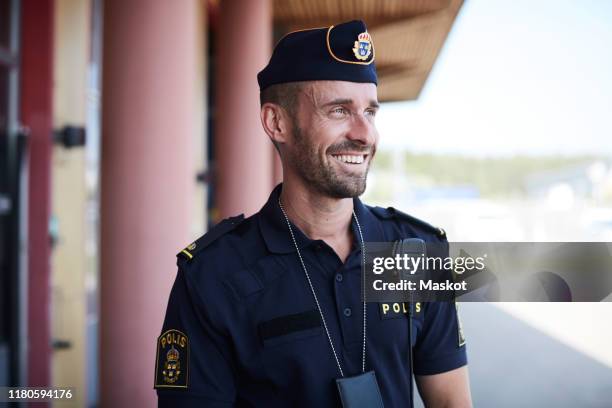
<point>323,177</point>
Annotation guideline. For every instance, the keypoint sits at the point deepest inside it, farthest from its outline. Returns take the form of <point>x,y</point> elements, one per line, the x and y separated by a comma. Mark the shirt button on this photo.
<point>348,312</point>
<point>339,277</point>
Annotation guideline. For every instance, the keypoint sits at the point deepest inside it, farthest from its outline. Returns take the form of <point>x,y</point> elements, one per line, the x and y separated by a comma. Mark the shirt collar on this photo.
<point>275,233</point>
<point>371,227</point>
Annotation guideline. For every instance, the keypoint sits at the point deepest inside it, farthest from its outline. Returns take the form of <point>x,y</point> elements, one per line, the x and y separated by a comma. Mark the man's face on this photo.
<point>334,138</point>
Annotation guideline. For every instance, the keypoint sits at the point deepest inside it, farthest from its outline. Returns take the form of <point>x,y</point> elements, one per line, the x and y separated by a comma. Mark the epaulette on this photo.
<point>392,213</point>
<point>205,240</point>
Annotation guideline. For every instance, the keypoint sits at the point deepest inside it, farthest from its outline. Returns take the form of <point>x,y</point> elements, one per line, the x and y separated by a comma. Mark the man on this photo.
<point>266,311</point>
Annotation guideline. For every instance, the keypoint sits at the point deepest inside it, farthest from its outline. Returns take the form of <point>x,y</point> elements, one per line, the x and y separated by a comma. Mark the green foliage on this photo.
<point>492,176</point>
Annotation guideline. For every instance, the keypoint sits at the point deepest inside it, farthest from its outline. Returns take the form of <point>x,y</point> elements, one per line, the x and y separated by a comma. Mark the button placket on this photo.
<point>348,300</point>
<point>327,262</point>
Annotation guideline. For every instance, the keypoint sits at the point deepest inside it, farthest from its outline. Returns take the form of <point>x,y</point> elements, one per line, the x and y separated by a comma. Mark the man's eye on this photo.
<point>339,111</point>
<point>371,112</point>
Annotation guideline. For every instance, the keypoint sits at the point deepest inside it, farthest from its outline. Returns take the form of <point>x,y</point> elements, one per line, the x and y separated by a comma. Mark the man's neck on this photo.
<point>319,216</point>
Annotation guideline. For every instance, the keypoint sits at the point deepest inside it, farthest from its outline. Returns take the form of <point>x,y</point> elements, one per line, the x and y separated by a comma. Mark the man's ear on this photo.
<point>275,122</point>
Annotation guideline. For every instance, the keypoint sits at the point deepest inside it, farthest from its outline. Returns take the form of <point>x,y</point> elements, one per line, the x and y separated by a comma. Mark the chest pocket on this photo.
<point>290,327</point>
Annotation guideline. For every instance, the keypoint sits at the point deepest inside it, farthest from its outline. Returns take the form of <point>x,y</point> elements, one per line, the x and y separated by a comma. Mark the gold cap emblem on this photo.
<point>363,46</point>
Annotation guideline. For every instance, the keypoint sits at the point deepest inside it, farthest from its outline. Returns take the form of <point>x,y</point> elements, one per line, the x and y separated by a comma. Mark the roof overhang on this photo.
<point>407,34</point>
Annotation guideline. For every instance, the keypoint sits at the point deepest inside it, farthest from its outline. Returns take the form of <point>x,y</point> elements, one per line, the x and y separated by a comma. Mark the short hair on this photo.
<point>284,95</point>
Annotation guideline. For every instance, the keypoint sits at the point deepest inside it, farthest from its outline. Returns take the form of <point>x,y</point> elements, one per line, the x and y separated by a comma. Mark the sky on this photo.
<point>514,77</point>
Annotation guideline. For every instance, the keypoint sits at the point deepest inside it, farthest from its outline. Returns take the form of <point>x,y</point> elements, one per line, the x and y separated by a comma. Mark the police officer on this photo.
<point>266,311</point>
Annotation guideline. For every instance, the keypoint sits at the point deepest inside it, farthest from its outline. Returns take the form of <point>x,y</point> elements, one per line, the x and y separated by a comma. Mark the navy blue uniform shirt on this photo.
<point>242,328</point>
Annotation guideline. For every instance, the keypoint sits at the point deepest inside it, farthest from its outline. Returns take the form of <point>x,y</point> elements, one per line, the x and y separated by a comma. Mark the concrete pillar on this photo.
<point>150,116</point>
<point>69,266</point>
<point>244,164</point>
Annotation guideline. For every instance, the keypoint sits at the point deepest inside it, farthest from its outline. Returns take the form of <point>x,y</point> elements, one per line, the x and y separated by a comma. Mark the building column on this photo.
<point>151,114</point>
<point>69,266</point>
<point>244,161</point>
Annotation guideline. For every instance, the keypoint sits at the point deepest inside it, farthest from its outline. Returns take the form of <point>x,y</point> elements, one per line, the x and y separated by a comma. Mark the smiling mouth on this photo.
<point>350,158</point>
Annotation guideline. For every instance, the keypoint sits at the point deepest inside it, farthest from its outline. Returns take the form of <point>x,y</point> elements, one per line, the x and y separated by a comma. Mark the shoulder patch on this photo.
<point>205,240</point>
<point>172,362</point>
<point>392,213</point>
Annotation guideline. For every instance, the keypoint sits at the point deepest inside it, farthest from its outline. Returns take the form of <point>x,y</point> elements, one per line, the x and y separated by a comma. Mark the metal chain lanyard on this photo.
<point>314,295</point>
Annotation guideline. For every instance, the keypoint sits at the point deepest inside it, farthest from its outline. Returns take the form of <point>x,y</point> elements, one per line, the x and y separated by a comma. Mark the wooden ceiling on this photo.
<point>407,34</point>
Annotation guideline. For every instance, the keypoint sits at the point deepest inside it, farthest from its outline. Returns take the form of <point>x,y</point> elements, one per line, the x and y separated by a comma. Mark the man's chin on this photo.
<point>346,190</point>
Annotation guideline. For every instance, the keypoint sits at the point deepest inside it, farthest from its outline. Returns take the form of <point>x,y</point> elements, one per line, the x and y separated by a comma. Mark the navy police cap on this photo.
<point>339,53</point>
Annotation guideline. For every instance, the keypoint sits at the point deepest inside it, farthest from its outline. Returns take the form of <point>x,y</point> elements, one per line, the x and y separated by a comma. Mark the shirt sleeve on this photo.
<point>440,345</point>
<point>194,365</point>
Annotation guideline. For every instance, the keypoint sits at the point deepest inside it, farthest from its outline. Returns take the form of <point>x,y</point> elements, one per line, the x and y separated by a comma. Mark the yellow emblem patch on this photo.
<point>363,46</point>
<point>172,362</point>
<point>398,310</point>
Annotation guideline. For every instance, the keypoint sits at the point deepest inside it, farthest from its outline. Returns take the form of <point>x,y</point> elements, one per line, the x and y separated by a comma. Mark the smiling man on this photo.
<point>267,311</point>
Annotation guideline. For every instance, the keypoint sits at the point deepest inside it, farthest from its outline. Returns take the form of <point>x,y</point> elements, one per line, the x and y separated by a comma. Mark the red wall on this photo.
<point>36,113</point>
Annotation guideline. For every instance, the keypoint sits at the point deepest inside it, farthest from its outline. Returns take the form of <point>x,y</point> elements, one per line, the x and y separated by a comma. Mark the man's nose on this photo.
<point>362,130</point>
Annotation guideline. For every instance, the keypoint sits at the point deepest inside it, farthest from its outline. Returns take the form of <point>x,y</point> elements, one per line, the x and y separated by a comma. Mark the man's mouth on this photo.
<point>350,158</point>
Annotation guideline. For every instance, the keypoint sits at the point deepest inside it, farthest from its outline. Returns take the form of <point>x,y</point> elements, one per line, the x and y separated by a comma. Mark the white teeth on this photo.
<point>350,158</point>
